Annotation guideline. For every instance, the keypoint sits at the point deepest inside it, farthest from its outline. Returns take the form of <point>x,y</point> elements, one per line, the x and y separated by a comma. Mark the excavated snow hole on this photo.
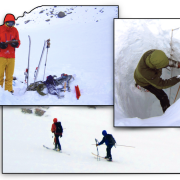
<point>132,39</point>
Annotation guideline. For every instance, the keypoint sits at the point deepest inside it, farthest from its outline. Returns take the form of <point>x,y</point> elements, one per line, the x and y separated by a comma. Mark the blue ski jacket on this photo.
<point>105,139</point>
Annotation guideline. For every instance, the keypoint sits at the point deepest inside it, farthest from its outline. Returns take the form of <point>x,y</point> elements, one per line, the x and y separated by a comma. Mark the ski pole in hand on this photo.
<point>98,158</point>
<point>54,138</point>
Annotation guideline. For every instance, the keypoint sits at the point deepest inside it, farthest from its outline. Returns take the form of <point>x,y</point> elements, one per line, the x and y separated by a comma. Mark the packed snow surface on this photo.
<point>155,150</point>
<point>133,37</point>
<point>81,44</point>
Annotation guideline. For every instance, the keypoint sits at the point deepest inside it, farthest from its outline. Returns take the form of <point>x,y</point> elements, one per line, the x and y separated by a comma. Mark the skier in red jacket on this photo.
<point>57,130</point>
<point>7,50</point>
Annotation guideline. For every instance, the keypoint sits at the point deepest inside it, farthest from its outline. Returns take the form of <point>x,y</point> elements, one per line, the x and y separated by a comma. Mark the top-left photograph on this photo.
<point>57,55</point>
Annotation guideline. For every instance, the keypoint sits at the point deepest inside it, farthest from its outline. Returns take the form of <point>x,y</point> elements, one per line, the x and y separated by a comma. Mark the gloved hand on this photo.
<point>61,136</point>
<point>14,44</point>
<point>96,145</point>
<point>3,45</point>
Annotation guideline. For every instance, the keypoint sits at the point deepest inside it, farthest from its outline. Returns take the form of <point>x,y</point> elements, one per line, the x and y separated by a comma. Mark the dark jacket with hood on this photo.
<point>107,139</point>
<point>149,70</point>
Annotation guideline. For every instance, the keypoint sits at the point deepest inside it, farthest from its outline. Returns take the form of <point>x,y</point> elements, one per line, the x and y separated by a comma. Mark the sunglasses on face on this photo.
<point>10,23</point>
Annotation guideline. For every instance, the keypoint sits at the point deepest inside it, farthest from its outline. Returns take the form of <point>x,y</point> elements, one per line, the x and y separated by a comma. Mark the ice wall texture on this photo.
<point>133,37</point>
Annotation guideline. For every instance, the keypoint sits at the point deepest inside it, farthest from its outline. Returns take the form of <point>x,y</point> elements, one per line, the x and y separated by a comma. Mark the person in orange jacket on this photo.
<point>7,51</point>
<point>57,130</point>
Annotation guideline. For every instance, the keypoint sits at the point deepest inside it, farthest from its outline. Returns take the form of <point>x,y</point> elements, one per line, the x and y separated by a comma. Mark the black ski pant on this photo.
<point>108,150</point>
<point>57,143</point>
<point>161,95</point>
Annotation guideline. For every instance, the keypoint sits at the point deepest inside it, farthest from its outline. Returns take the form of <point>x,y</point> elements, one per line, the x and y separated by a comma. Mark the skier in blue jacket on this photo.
<point>109,140</point>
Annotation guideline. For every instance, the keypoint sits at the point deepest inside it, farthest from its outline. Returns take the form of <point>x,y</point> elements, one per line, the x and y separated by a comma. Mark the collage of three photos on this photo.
<point>91,91</point>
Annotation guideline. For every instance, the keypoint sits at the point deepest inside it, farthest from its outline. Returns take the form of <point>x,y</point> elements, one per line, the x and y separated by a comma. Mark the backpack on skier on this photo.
<point>59,128</point>
<point>110,139</point>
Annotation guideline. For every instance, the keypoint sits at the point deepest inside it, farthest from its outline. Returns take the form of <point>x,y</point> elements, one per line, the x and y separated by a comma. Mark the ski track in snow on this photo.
<point>81,44</point>
<point>23,150</point>
<point>132,39</point>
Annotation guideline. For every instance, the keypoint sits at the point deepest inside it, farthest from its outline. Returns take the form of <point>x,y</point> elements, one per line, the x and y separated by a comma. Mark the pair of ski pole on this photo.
<point>48,46</point>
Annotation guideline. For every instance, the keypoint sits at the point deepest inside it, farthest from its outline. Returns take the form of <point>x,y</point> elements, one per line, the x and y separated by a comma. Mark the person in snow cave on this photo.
<point>7,51</point>
<point>57,130</point>
<point>109,140</point>
<point>148,71</point>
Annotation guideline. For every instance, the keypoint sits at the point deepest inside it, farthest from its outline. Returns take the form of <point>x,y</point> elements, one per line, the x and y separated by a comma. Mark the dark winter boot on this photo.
<point>59,147</point>
<point>109,159</point>
<point>106,157</point>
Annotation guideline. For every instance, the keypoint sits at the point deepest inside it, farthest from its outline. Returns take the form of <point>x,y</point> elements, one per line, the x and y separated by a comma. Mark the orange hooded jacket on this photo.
<point>8,34</point>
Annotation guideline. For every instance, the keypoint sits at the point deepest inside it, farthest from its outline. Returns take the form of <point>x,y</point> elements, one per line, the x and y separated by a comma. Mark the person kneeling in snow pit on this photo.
<point>57,130</point>
<point>148,71</point>
<point>109,140</point>
<point>7,50</point>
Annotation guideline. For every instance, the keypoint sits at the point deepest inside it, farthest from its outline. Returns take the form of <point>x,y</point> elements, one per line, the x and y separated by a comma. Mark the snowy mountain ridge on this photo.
<point>81,44</point>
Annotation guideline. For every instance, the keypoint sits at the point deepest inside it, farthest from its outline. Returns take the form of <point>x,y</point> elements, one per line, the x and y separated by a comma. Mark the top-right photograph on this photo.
<point>146,72</point>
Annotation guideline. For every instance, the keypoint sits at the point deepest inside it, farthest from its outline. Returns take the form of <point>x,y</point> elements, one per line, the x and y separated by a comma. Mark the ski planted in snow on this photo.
<point>55,150</point>
<point>37,68</point>
<point>26,73</point>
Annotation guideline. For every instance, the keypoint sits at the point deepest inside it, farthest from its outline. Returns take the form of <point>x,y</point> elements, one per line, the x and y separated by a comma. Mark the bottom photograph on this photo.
<point>82,139</point>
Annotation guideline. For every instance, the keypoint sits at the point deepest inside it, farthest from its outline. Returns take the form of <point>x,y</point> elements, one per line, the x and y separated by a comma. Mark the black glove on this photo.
<point>61,136</point>
<point>14,44</point>
<point>3,45</point>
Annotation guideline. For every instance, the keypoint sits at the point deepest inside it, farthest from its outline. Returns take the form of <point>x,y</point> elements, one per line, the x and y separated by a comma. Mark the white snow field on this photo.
<point>81,44</point>
<point>133,37</point>
<point>156,150</point>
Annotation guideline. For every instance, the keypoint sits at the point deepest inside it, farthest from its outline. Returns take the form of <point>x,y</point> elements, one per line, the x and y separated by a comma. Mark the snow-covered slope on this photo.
<point>133,37</point>
<point>156,150</point>
<point>81,44</point>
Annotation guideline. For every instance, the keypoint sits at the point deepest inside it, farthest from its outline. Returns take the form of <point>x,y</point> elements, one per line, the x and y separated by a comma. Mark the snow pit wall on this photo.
<point>133,37</point>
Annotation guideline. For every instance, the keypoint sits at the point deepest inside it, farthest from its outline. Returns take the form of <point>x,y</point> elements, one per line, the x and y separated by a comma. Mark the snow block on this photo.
<point>39,112</point>
<point>25,110</point>
<point>78,94</point>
